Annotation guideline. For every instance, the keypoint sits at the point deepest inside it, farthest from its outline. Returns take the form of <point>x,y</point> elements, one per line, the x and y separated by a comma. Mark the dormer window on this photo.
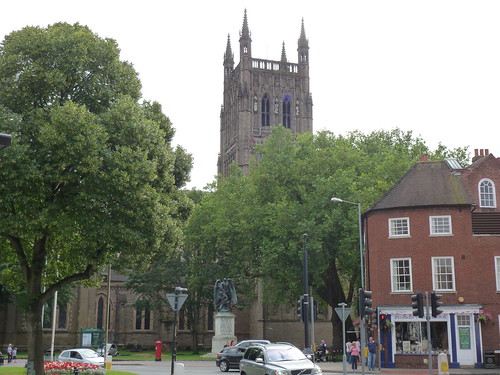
<point>487,196</point>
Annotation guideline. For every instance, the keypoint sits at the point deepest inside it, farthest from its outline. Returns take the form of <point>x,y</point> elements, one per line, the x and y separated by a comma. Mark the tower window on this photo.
<point>287,119</point>
<point>265,109</point>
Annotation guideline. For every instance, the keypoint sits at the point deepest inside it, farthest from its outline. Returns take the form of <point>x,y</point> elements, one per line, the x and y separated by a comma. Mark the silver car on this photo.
<point>277,359</point>
<point>81,355</point>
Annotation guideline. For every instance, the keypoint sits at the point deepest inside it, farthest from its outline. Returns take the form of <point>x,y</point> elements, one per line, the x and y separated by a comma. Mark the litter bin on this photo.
<point>2,359</point>
<point>489,359</point>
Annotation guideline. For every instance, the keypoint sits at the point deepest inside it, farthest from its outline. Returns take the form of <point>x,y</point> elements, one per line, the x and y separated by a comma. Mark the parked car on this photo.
<point>112,350</point>
<point>247,343</point>
<point>81,355</point>
<point>279,358</point>
<point>229,358</point>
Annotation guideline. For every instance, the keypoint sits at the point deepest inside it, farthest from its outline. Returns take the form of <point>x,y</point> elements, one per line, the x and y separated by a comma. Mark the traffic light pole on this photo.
<point>429,341</point>
<point>306,309</point>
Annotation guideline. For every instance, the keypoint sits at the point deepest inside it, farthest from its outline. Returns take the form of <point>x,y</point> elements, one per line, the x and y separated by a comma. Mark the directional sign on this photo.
<point>343,313</point>
<point>181,298</point>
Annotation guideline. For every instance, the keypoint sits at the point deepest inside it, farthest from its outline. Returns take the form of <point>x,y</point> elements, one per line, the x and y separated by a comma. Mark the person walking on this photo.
<point>354,356</point>
<point>348,345</point>
<point>372,354</point>
<point>9,353</point>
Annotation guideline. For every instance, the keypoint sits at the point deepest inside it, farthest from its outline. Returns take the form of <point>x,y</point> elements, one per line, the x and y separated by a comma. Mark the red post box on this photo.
<point>158,350</point>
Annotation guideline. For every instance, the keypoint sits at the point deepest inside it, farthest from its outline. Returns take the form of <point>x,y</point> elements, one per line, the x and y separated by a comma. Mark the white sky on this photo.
<point>430,66</point>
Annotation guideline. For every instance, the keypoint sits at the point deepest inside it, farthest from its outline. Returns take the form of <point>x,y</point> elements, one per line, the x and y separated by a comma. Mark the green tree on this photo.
<point>260,219</point>
<point>91,178</point>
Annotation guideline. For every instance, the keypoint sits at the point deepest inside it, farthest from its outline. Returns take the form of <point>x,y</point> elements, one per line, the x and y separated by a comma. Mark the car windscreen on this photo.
<point>285,354</point>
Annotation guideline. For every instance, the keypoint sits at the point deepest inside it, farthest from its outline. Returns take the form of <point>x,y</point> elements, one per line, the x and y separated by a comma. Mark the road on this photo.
<point>164,368</point>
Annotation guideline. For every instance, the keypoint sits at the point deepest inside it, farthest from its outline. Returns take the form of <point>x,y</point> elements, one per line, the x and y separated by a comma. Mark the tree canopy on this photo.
<point>91,177</point>
<point>252,226</point>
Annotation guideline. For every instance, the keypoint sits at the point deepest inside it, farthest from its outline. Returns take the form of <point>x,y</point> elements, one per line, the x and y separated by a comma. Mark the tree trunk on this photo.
<point>35,339</point>
<point>333,294</point>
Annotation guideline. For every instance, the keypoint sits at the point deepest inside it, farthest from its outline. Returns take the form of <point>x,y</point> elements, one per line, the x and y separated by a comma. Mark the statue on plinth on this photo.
<point>224,295</point>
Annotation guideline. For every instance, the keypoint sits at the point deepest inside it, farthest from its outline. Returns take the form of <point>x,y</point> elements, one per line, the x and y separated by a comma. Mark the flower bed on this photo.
<point>69,368</point>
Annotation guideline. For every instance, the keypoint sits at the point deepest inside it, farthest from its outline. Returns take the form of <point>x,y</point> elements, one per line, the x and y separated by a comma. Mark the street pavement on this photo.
<point>152,367</point>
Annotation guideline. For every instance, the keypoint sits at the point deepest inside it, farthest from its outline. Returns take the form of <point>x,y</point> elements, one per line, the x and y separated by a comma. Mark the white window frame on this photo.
<point>433,224</point>
<point>393,234</point>
<point>394,275</point>
<point>493,198</point>
<point>497,272</point>
<point>435,280</point>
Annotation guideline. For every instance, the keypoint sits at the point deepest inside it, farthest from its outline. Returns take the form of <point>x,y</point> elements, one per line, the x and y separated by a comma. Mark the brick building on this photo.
<point>438,229</point>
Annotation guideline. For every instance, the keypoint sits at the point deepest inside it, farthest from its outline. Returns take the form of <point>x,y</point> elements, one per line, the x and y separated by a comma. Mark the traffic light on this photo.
<point>418,304</point>
<point>435,304</point>
<point>300,306</point>
<point>383,321</point>
<point>365,302</point>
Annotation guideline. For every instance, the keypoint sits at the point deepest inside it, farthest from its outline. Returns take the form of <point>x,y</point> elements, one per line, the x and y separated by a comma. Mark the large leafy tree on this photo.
<point>91,177</point>
<point>256,223</point>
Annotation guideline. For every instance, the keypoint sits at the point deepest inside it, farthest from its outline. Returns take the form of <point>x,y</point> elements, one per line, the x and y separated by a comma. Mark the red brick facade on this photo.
<point>442,191</point>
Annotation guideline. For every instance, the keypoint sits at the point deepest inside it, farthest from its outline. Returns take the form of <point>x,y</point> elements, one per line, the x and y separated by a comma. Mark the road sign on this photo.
<point>343,313</point>
<point>181,298</point>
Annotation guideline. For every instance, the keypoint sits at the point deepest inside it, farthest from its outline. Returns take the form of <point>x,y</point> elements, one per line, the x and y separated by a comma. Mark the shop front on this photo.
<point>454,332</point>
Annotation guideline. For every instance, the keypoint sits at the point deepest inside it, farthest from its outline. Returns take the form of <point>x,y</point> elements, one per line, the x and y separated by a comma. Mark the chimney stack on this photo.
<point>481,153</point>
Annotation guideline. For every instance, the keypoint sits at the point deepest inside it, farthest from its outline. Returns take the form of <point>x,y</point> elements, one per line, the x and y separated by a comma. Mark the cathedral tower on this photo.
<point>259,94</point>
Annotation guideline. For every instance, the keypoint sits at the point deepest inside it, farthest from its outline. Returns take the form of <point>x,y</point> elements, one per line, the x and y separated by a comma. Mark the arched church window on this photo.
<point>100,312</point>
<point>265,109</point>
<point>287,120</point>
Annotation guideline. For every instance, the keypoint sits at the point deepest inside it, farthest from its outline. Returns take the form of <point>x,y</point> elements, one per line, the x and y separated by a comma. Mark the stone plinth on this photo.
<point>224,330</point>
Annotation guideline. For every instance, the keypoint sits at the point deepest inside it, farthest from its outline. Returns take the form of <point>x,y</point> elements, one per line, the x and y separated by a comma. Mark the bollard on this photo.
<point>443,364</point>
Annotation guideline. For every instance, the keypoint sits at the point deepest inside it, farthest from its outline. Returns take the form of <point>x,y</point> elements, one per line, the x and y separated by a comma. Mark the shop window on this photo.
<point>399,227</point>
<point>443,273</point>
<point>411,337</point>
<point>401,275</point>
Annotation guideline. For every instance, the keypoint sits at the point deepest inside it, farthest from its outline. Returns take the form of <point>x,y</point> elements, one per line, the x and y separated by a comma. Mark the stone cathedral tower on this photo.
<point>259,94</point>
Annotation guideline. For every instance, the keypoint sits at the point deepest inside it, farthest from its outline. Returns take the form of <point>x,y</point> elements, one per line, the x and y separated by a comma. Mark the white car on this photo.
<point>81,355</point>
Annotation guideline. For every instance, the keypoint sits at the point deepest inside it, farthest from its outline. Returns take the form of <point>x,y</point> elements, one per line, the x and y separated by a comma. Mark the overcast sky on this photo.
<point>432,67</point>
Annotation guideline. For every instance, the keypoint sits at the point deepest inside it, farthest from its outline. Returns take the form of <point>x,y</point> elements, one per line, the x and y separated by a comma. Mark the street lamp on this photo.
<point>362,320</point>
<point>5,140</point>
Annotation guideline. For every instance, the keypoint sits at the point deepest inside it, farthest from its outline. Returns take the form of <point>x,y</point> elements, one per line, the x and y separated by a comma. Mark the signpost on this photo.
<point>176,301</point>
<point>343,313</point>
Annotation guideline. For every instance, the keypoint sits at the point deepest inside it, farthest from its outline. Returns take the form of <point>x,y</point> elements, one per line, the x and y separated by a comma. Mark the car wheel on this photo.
<point>224,366</point>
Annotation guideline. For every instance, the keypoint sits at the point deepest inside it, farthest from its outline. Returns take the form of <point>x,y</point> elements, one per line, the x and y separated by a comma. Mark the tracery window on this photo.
<point>287,118</point>
<point>265,109</point>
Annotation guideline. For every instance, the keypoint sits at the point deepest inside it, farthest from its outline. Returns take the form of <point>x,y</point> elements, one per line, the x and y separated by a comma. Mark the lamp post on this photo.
<point>362,320</point>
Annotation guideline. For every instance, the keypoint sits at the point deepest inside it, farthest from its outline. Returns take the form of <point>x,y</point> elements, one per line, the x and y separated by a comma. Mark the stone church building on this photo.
<point>258,94</point>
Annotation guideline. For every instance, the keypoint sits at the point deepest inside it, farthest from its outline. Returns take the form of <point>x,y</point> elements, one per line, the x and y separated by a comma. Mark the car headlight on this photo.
<point>280,372</point>
<point>317,370</point>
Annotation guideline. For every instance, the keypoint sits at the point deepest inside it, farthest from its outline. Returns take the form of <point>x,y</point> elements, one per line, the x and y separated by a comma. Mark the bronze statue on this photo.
<point>224,295</point>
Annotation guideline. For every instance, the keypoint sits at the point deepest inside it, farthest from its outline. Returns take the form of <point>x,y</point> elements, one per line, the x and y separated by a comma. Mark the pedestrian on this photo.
<point>9,353</point>
<point>348,345</point>
<point>372,354</point>
<point>354,356</point>
<point>322,351</point>
<point>14,354</point>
